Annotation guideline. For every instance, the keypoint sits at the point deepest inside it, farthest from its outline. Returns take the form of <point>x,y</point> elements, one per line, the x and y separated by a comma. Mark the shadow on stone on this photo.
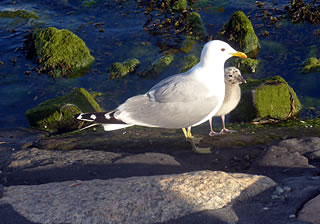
<point>9,216</point>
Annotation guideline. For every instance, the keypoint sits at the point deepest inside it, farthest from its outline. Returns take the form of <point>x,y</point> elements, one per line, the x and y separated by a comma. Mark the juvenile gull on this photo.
<point>232,80</point>
<point>180,101</point>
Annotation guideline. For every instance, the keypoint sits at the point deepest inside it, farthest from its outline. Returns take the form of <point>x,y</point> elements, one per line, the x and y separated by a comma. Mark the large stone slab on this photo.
<point>132,200</point>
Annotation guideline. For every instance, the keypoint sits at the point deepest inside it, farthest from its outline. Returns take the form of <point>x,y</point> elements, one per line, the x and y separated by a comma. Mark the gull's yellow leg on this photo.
<point>190,139</point>
<point>185,132</point>
<point>189,133</point>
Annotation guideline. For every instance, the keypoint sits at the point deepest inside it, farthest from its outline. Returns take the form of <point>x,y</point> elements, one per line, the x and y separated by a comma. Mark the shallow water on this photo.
<point>282,52</point>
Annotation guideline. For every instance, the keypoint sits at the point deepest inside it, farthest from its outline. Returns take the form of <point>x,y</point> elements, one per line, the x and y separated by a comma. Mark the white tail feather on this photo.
<point>111,127</point>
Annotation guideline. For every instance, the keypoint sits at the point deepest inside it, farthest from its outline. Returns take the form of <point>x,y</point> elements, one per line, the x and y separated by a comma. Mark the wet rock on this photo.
<point>19,13</point>
<point>197,28</point>
<point>159,65</point>
<point>300,11</point>
<point>132,200</point>
<point>268,98</point>
<point>311,65</point>
<point>179,5</point>
<point>189,62</point>
<point>120,70</point>
<point>188,45</point>
<point>173,17</point>
<point>310,211</point>
<point>239,32</point>
<point>56,115</point>
<point>59,52</point>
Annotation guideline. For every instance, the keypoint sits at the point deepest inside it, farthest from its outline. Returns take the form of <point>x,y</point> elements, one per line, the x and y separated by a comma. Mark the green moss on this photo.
<point>159,65</point>
<point>180,5</point>
<point>272,99</point>
<point>268,98</point>
<point>162,63</point>
<point>247,65</point>
<point>19,13</point>
<point>194,21</point>
<point>188,45</point>
<point>61,52</point>
<point>89,3</point>
<point>239,31</point>
<point>175,5</point>
<point>120,70</point>
<point>311,65</point>
<point>56,115</point>
<point>189,62</point>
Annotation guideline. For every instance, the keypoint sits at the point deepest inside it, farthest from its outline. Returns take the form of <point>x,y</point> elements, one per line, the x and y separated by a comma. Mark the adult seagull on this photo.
<point>180,101</point>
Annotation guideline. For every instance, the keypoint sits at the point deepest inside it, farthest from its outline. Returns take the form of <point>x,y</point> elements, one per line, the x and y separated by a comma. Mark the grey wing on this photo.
<point>178,88</point>
<point>174,105</point>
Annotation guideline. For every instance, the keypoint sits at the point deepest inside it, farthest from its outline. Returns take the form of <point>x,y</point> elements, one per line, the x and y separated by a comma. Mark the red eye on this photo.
<point>223,49</point>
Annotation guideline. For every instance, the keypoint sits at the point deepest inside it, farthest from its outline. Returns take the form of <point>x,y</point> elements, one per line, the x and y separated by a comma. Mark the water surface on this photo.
<point>282,52</point>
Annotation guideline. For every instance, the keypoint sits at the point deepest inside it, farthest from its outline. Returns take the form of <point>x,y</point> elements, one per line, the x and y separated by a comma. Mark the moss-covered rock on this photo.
<point>60,52</point>
<point>311,65</point>
<point>247,65</point>
<point>179,5</point>
<point>268,98</point>
<point>159,65</point>
<point>196,27</point>
<point>56,115</point>
<point>89,3</point>
<point>188,45</point>
<point>19,13</point>
<point>119,70</point>
<point>189,62</point>
<point>240,33</point>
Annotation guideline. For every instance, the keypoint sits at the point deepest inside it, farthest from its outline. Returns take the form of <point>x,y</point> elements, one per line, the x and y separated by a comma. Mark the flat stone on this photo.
<point>302,145</point>
<point>149,158</point>
<point>35,157</point>
<point>132,200</point>
<point>310,211</point>
<point>279,156</point>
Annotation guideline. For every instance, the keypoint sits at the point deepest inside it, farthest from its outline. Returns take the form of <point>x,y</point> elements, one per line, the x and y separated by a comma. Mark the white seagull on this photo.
<point>180,101</point>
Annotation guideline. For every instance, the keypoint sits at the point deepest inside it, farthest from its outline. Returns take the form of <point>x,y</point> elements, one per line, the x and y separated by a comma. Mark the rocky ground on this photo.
<point>144,175</point>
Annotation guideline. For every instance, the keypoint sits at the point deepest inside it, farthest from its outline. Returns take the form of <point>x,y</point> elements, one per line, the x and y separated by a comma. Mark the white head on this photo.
<point>217,51</point>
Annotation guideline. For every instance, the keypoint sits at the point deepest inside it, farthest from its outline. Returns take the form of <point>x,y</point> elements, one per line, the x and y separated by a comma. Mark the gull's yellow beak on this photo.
<point>239,54</point>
